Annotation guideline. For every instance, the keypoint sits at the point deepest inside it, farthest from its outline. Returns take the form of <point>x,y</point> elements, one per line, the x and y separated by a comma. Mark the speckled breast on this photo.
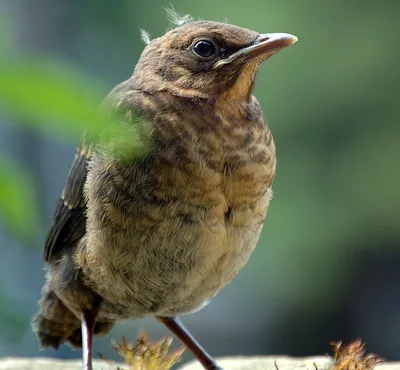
<point>172,229</point>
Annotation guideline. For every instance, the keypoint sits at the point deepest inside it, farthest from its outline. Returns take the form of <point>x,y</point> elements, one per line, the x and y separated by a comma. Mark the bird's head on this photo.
<point>204,59</point>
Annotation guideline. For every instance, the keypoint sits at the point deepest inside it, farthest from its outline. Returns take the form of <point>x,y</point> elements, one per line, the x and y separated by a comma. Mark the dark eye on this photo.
<point>204,48</point>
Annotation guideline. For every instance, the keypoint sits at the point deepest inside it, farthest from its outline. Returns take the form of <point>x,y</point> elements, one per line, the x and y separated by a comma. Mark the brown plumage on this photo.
<point>157,221</point>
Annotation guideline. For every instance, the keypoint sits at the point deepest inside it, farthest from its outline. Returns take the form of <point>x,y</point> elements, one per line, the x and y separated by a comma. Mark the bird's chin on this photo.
<point>257,57</point>
<point>260,57</point>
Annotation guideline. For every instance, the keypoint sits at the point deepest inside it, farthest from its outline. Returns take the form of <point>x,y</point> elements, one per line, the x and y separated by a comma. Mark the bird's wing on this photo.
<point>68,225</point>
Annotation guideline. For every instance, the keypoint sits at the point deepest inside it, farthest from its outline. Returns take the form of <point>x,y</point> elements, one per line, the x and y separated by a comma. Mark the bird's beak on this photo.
<point>265,45</point>
<point>268,44</point>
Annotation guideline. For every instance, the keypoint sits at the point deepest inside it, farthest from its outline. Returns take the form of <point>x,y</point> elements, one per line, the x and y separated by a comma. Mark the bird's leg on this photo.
<point>176,326</point>
<point>88,322</point>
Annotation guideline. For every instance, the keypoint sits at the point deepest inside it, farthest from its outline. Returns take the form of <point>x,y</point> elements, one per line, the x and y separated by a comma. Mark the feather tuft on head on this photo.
<point>145,36</point>
<point>175,19</point>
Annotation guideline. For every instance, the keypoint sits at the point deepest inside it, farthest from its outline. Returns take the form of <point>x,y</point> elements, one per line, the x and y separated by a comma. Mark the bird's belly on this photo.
<point>219,258</point>
<point>174,269</point>
<point>167,249</point>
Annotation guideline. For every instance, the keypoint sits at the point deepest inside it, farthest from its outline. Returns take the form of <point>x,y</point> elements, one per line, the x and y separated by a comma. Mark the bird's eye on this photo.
<point>204,48</point>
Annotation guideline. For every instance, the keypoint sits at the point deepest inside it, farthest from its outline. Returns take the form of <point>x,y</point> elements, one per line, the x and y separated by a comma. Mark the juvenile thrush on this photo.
<point>161,230</point>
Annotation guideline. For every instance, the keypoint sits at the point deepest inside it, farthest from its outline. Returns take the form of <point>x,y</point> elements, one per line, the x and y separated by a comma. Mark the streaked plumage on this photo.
<point>160,231</point>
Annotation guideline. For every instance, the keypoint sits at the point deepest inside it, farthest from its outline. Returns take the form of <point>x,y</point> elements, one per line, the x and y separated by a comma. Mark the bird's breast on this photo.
<point>167,233</point>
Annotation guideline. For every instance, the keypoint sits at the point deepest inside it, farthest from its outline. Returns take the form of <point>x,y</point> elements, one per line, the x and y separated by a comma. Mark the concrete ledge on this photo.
<point>231,363</point>
<point>267,363</point>
<point>37,363</point>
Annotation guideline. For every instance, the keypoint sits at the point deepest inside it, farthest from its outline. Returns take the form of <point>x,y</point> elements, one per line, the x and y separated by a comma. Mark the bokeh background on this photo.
<point>328,264</point>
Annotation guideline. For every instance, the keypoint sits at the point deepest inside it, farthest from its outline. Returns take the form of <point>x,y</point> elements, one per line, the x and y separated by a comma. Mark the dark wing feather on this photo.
<point>68,225</point>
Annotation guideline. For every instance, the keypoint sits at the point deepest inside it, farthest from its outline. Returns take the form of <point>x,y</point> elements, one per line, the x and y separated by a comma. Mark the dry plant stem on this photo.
<point>176,326</point>
<point>88,322</point>
<point>148,356</point>
<point>353,356</point>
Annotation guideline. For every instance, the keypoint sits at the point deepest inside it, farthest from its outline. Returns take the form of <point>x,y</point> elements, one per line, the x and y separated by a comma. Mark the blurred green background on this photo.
<point>328,264</point>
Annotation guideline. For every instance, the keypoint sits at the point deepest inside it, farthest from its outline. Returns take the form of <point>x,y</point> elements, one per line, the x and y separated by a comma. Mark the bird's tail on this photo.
<point>55,324</point>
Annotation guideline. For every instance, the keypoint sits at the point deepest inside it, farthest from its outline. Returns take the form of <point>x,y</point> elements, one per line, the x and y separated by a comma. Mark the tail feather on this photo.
<point>55,324</point>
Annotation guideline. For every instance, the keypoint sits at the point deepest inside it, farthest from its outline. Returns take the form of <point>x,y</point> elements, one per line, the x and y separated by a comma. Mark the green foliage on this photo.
<point>18,205</point>
<point>58,100</point>
<point>50,95</point>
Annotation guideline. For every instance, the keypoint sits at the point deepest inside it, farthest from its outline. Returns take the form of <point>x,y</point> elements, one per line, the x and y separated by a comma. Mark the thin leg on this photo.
<point>176,326</point>
<point>88,322</point>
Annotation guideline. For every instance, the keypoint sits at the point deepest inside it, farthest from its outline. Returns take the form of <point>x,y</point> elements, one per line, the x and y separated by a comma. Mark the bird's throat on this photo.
<point>233,100</point>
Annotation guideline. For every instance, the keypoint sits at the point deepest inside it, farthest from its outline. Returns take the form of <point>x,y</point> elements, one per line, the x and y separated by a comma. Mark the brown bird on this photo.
<point>156,221</point>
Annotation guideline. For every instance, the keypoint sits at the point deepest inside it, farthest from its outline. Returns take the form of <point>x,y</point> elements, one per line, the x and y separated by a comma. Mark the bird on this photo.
<point>162,212</point>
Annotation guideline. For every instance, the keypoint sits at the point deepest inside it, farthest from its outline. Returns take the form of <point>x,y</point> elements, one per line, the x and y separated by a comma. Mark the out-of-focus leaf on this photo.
<point>18,207</point>
<point>51,95</point>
